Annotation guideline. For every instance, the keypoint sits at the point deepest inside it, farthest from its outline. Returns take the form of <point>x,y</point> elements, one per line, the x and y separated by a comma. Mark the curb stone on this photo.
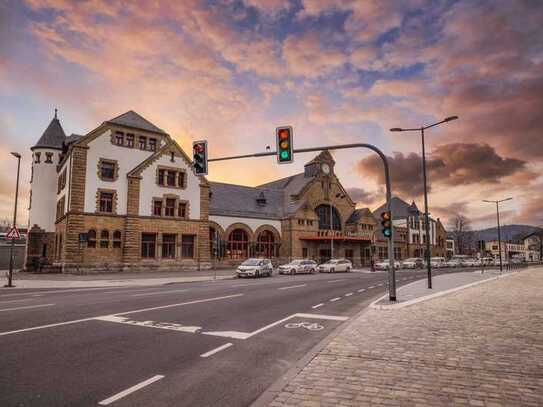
<point>375,305</point>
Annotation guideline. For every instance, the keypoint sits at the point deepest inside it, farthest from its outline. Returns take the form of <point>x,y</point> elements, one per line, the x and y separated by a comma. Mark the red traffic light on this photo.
<point>385,216</point>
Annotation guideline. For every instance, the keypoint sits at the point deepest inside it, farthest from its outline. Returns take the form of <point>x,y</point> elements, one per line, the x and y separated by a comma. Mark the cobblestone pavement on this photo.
<point>482,346</point>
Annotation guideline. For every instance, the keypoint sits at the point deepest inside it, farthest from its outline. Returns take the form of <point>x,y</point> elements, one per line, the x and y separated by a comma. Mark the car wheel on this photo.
<point>332,270</point>
<point>292,272</point>
<point>257,274</point>
<point>348,269</point>
<point>313,271</point>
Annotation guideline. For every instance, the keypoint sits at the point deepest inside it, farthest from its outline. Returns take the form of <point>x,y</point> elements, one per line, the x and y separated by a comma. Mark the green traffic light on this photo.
<point>387,232</point>
<point>284,155</point>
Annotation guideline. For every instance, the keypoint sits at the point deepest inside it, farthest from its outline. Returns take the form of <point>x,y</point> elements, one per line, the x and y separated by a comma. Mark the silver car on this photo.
<point>298,267</point>
<point>336,265</point>
<point>255,268</point>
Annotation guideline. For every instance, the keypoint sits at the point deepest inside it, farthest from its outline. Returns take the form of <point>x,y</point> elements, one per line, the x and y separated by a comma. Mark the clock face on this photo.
<point>325,168</point>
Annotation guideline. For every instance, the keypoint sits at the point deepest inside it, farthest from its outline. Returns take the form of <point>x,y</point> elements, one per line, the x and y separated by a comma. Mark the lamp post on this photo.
<point>499,232</point>
<point>10,273</point>
<point>341,196</point>
<point>426,221</point>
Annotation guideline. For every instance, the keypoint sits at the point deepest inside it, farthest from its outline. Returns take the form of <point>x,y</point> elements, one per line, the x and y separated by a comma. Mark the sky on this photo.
<point>231,71</point>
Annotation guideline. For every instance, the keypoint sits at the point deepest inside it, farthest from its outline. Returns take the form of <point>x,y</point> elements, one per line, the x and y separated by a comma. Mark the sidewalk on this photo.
<point>481,346</point>
<point>34,280</point>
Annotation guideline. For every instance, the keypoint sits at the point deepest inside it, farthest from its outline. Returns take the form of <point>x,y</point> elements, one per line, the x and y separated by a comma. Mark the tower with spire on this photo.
<point>43,187</point>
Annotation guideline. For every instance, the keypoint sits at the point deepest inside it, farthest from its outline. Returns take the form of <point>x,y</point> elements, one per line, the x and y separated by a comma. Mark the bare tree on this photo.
<point>460,228</point>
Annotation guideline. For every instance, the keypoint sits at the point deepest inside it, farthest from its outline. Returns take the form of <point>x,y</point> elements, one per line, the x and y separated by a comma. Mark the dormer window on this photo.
<point>152,144</point>
<point>143,143</point>
<point>119,138</point>
<point>261,200</point>
<point>129,140</point>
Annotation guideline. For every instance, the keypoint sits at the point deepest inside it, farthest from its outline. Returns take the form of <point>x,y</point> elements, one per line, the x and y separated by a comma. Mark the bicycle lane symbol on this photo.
<point>310,326</point>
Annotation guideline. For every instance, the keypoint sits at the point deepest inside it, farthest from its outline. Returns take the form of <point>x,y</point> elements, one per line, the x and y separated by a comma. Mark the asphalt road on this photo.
<point>216,343</point>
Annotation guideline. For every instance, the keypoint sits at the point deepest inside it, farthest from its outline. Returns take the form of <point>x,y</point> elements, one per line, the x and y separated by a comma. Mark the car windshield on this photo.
<point>296,262</point>
<point>251,262</point>
<point>332,262</point>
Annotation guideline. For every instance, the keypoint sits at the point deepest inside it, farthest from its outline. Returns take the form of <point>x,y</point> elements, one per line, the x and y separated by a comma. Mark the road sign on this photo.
<point>13,234</point>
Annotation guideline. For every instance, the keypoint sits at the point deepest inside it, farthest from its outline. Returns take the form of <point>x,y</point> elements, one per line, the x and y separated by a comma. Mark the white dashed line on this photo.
<point>335,299</point>
<point>335,281</point>
<point>213,351</point>
<point>130,390</point>
<point>5,302</point>
<point>292,286</point>
<point>158,293</point>
<point>27,307</point>
<point>348,294</point>
<point>370,287</point>
<point>361,290</point>
<point>318,305</point>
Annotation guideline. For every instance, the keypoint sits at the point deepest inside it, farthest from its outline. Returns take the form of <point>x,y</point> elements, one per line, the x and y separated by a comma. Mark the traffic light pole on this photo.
<point>391,271</point>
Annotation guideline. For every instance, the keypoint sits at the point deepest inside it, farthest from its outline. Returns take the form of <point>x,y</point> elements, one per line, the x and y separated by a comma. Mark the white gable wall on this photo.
<point>149,188</point>
<point>127,159</point>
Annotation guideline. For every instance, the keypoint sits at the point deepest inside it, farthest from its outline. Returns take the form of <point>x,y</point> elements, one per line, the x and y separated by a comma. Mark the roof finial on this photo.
<point>56,112</point>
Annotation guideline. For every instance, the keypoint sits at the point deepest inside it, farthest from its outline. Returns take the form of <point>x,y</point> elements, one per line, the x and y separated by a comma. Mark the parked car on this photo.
<point>336,265</point>
<point>298,267</point>
<point>255,268</point>
<point>412,263</point>
<point>385,264</point>
<point>472,262</point>
<point>453,263</point>
<point>437,262</point>
<point>487,261</point>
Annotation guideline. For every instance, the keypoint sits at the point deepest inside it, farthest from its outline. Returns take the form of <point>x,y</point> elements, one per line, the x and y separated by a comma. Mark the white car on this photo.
<point>453,263</point>
<point>336,265</point>
<point>412,263</point>
<point>298,267</point>
<point>255,268</point>
<point>385,265</point>
<point>437,262</point>
<point>471,262</point>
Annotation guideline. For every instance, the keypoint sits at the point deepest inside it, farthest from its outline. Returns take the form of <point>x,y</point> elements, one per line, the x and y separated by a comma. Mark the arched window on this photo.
<point>91,238</point>
<point>238,244</point>
<point>117,239</point>
<point>104,239</point>
<point>323,212</point>
<point>265,246</point>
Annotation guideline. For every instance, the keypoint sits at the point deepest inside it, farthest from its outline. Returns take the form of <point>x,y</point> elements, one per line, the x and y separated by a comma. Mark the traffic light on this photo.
<point>284,144</point>
<point>199,155</point>
<point>386,223</point>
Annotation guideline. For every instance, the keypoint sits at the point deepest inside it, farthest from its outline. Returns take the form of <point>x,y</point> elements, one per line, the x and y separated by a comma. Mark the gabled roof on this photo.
<point>239,200</point>
<point>358,214</point>
<point>400,209</point>
<point>52,137</point>
<point>136,121</point>
<point>170,146</point>
<point>292,185</point>
<point>72,138</point>
<point>324,156</point>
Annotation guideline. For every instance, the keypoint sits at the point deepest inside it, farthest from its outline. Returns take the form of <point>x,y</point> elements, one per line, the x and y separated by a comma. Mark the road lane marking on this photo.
<point>226,297</point>
<point>27,307</point>
<point>130,390</point>
<point>247,335</point>
<point>318,305</point>
<point>5,302</point>
<point>335,281</point>
<point>370,287</point>
<point>151,324</point>
<point>213,351</point>
<point>361,290</point>
<point>75,321</point>
<point>158,293</point>
<point>348,294</point>
<point>335,299</point>
<point>292,286</point>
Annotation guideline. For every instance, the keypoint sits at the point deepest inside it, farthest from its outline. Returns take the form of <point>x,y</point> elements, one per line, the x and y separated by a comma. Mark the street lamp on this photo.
<point>426,221</point>
<point>10,273</point>
<point>499,233</point>
<point>341,196</point>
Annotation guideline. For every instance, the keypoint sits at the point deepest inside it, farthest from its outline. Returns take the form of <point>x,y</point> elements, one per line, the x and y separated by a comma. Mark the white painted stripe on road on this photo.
<point>335,299</point>
<point>318,305</point>
<point>5,302</point>
<point>228,334</point>
<point>158,293</point>
<point>371,286</point>
<point>180,304</point>
<point>151,324</point>
<point>335,281</point>
<point>348,294</point>
<point>292,286</point>
<point>75,321</point>
<point>321,316</point>
<point>213,351</point>
<point>130,390</point>
<point>361,290</point>
<point>27,307</point>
